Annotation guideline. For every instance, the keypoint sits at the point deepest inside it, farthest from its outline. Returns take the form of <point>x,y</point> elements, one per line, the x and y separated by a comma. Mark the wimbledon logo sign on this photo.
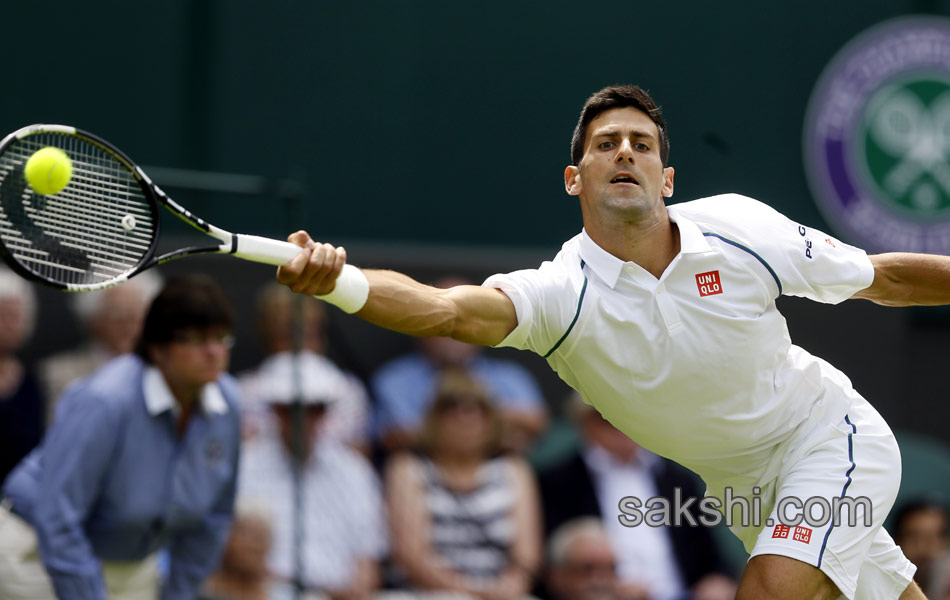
<point>877,137</point>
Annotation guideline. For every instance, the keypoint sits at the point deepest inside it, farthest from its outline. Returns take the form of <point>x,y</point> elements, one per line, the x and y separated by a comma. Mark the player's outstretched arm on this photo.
<point>906,279</point>
<point>469,313</point>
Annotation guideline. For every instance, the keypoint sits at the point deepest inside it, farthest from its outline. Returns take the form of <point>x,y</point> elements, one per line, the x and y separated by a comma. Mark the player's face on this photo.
<point>621,175</point>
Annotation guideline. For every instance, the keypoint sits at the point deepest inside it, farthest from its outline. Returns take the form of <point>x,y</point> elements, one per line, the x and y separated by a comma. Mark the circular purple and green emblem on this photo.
<point>877,137</point>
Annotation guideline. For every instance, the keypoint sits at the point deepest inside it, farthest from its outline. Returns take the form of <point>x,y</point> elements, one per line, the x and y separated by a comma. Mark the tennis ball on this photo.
<point>49,170</point>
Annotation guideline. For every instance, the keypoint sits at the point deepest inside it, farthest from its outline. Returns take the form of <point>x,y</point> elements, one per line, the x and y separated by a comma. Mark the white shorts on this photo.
<point>856,460</point>
<point>23,577</point>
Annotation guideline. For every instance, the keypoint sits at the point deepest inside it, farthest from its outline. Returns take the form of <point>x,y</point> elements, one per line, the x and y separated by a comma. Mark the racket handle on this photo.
<point>264,250</point>
<point>352,288</point>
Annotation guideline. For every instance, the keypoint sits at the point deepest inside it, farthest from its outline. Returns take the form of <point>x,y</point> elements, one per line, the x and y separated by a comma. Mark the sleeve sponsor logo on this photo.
<point>803,232</point>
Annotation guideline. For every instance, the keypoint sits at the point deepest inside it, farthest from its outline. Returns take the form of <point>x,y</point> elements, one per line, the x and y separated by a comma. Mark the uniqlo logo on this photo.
<point>802,534</point>
<point>708,283</point>
<point>781,531</point>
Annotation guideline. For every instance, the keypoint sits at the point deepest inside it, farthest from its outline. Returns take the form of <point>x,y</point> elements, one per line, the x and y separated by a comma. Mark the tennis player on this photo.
<point>664,319</point>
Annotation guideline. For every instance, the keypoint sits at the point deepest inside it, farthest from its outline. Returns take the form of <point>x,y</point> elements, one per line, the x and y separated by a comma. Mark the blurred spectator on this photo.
<point>404,387</point>
<point>142,456</point>
<point>22,404</point>
<point>463,519</point>
<point>243,573</point>
<point>581,564</point>
<point>342,522</point>
<point>938,588</point>
<point>112,320</point>
<point>348,417</point>
<point>664,562</point>
<point>921,529</point>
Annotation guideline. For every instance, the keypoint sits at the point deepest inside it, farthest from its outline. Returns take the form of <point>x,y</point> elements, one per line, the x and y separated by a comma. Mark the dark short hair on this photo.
<point>187,302</point>
<point>618,96</point>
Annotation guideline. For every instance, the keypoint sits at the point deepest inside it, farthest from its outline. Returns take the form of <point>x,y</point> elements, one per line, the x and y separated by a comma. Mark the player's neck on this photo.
<point>652,244</point>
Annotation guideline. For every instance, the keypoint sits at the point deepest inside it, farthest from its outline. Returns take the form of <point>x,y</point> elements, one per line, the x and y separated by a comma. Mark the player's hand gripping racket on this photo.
<point>103,226</point>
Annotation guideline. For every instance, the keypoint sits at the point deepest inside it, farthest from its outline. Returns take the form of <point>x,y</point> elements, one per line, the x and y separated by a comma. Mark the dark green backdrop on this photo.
<point>430,121</point>
<point>435,133</point>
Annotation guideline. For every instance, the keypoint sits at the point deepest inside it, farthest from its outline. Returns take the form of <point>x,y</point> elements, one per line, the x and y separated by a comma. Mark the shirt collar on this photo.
<point>608,267</point>
<point>603,263</point>
<point>692,239</point>
<point>159,398</point>
<point>602,461</point>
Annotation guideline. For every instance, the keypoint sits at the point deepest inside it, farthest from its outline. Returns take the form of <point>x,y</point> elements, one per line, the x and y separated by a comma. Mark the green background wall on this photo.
<point>430,121</point>
<point>433,135</point>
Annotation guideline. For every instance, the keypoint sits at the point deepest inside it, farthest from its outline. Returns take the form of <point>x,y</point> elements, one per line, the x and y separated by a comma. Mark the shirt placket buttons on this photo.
<point>668,310</point>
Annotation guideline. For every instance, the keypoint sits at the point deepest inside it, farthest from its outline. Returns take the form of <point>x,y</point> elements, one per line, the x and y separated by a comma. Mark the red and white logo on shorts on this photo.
<point>781,531</point>
<point>708,283</point>
<point>802,534</point>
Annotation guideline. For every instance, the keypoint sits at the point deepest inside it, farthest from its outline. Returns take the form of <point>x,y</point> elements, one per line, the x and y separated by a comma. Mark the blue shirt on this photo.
<point>113,481</point>
<point>405,387</point>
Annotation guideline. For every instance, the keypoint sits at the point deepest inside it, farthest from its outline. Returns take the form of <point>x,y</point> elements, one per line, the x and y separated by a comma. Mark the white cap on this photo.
<point>320,380</point>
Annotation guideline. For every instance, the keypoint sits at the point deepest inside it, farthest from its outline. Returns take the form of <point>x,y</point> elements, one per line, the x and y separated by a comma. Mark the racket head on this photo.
<point>96,232</point>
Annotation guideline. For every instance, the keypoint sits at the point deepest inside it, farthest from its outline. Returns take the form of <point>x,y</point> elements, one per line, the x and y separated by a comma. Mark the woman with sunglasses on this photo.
<point>464,519</point>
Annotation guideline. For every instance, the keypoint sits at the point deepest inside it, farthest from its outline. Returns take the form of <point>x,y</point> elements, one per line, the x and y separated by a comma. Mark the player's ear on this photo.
<point>667,182</point>
<point>572,180</point>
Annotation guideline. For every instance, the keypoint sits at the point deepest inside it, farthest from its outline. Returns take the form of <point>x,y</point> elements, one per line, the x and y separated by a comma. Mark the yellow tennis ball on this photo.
<point>49,170</point>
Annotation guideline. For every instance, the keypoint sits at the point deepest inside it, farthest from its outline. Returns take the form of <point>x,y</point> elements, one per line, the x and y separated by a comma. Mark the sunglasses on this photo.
<point>195,338</point>
<point>320,408</point>
<point>460,403</point>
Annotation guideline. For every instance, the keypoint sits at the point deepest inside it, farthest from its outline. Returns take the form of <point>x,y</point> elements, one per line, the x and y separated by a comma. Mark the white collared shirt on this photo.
<point>697,365</point>
<point>644,553</point>
<point>343,518</point>
<point>159,398</point>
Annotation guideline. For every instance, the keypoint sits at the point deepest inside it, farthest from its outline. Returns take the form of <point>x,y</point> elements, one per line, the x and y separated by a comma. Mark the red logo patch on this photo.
<point>830,243</point>
<point>781,531</point>
<point>708,283</point>
<point>802,534</point>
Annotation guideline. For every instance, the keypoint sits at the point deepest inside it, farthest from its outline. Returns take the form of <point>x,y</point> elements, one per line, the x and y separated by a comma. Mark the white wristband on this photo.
<point>351,291</point>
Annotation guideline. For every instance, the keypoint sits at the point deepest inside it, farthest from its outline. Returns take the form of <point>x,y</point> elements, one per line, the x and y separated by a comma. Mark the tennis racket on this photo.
<point>103,227</point>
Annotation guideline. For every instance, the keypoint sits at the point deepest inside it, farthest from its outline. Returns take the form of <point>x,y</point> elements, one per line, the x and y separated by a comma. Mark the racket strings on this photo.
<point>98,228</point>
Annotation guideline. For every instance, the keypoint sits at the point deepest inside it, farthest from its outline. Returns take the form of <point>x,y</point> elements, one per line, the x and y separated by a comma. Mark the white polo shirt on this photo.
<point>698,365</point>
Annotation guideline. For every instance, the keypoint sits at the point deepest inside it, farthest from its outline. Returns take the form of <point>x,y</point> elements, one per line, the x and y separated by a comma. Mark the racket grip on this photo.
<point>352,288</point>
<point>264,250</point>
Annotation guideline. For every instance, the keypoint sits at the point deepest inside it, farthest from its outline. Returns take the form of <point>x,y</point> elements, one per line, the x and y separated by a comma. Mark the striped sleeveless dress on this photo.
<point>472,530</point>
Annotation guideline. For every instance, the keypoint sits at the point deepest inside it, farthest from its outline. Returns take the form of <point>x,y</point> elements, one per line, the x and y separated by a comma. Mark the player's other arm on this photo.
<point>468,313</point>
<point>906,279</point>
